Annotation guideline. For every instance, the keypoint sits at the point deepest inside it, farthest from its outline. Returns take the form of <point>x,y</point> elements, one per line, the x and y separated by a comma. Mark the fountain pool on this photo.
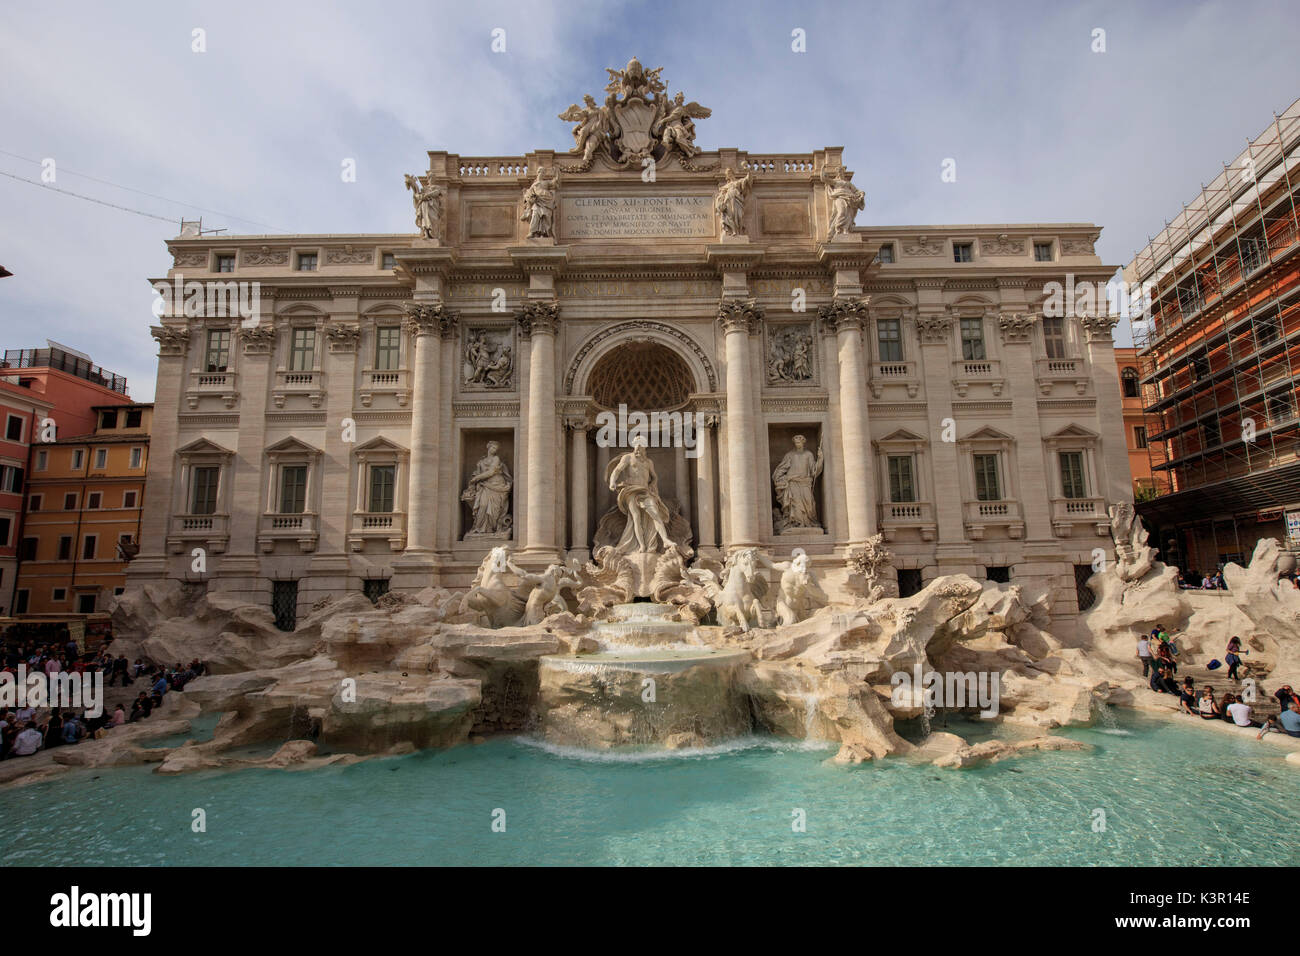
<point>1173,795</point>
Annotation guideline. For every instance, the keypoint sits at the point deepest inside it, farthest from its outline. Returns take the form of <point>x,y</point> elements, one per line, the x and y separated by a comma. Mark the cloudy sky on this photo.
<point>251,134</point>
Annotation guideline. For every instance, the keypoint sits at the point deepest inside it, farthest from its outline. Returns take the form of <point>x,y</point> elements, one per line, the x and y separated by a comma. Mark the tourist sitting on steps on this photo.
<point>1239,711</point>
<point>1187,696</point>
<point>27,742</point>
<point>1284,695</point>
<point>1209,707</point>
<point>1162,682</point>
<point>1287,722</point>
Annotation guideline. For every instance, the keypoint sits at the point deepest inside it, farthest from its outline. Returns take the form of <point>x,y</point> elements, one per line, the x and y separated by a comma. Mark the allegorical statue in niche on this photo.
<point>846,201</point>
<point>539,204</point>
<point>729,203</point>
<point>793,480</point>
<point>632,477</point>
<point>427,198</point>
<point>489,496</point>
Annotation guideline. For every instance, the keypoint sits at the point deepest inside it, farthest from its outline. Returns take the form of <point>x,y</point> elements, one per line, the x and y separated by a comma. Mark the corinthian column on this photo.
<point>538,322</point>
<point>426,323</point>
<point>845,316</point>
<point>740,319</point>
<point>578,527</point>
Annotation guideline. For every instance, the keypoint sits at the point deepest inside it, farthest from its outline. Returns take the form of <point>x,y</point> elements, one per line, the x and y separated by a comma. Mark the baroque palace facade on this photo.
<point>400,404</point>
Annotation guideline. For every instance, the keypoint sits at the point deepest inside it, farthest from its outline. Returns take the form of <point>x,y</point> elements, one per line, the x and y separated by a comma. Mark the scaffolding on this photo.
<point>1219,339</point>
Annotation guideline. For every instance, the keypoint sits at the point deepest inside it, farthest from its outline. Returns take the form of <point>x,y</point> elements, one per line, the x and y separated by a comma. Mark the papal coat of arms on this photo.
<point>638,120</point>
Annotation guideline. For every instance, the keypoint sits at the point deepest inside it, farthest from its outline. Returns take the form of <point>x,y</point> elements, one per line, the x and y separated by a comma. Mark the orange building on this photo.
<point>1135,425</point>
<point>85,498</point>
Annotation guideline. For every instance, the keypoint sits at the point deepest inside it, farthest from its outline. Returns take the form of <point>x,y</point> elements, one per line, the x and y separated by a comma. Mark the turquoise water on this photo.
<point>1173,795</point>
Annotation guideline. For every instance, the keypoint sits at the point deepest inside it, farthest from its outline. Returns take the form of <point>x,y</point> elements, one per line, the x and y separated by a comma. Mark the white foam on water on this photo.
<point>633,756</point>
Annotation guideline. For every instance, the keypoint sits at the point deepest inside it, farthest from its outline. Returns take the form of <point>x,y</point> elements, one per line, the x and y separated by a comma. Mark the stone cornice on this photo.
<point>733,257</point>
<point>540,259</point>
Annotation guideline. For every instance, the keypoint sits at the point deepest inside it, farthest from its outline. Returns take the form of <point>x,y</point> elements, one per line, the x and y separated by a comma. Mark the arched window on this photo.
<point>1129,380</point>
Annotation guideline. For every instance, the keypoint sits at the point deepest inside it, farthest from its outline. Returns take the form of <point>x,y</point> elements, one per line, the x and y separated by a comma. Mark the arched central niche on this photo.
<point>644,376</point>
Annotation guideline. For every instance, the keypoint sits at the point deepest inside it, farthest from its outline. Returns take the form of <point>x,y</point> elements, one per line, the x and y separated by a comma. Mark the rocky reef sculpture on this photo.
<point>1133,558</point>
<point>870,562</point>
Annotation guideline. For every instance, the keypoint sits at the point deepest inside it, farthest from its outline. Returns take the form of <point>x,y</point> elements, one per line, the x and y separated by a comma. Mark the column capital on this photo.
<point>1098,328</point>
<point>424,319</point>
<point>540,317</point>
<point>844,313</point>
<point>172,340</point>
<point>1016,327</point>
<point>740,315</point>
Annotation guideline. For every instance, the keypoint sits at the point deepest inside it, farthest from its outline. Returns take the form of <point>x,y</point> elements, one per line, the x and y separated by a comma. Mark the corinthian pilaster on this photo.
<point>741,318</point>
<point>539,320</point>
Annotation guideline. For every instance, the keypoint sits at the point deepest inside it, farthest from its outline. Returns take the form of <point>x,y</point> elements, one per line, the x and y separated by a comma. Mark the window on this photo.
<point>88,547</point>
<point>134,417</point>
<point>34,502</point>
<point>998,575</point>
<point>886,254</point>
<point>217,356</point>
<point>11,480</point>
<point>306,262</point>
<point>1129,381</point>
<point>203,490</point>
<point>1266,330</point>
<point>137,457</point>
<point>902,487</point>
<point>1252,254</point>
<point>293,489</point>
<point>6,527</point>
<point>108,418</point>
<point>909,581</point>
<point>1054,338</point>
<point>962,252</point>
<point>388,348</point>
<point>1072,485</point>
<point>20,601</point>
<point>27,550</point>
<point>987,487</point>
<point>374,588</point>
<point>70,501</point>
<point>1280,409</point>
<point>284,604</point>
<point>85,604</point>
<point>93,499</point>
<point>78,459</point>
<point>101,458</point>
<point>889,339</point>
<point>58,594</point>
<point>382,479</point>
<point>226,263</point>
<point>389,261</point>
<point>1139,436</point>
<point>1210,433</point>
<point>302,350</point>
<point>1042,253</point>
<point>128,499</point>
<point>42,460</point>
<point>65,547</point>
<point>14,428</point>
<point>972,339</point>
<point>1200,367</point>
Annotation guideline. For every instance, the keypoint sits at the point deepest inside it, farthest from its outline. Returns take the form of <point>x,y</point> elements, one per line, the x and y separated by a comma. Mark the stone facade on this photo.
<point>344,423</point>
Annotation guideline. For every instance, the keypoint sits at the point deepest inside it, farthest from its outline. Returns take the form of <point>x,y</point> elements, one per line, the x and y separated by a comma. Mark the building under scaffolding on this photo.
<point>1219,359</point>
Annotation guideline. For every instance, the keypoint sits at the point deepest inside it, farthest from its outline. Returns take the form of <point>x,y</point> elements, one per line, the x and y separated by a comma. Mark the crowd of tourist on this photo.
<point>1195,581</point>
<point>1158,654</point>
<point>25,730</point>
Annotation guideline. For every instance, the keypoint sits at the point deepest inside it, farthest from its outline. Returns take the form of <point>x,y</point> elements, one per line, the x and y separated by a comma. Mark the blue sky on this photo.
<point>1042,128</point>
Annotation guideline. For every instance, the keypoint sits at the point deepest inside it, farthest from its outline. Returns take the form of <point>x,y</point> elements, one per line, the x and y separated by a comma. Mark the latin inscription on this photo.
<point>634,217</point>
